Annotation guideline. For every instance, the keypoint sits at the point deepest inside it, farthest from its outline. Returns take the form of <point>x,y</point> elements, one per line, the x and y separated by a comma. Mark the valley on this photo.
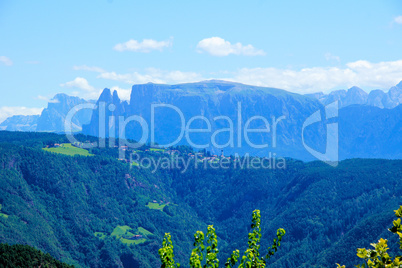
<point>90,211</point>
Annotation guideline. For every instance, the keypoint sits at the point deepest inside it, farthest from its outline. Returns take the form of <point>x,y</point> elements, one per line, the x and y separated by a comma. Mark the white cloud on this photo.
<point>124,94</point>
<point>47,99</point>
<point>382,74</point>
<point>80,83</point>
<point>153,75</point>
<point>6,61</point>
<point>125,78</point>
<point>6,111</point>
<point>44,98</point>
<point>89,92</point>
<point>217,46</point>
<point>89,68</point>
<point>147,45</point>
<point>359,73</point>
<point>85,91</point>
<point>330,57</point>
<point>93,95</point>
<point>398,19</point>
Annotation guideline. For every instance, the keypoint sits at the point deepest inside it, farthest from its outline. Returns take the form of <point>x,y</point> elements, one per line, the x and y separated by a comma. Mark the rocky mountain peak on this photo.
<point>116,99</point>
<point>106,95</point>
<point>356,95</point>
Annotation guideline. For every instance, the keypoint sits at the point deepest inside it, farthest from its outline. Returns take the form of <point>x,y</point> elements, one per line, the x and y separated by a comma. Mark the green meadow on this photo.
<point>144,231</point>
<point>121,230</point>
<point>68,149</point>
<point>5,215</point>
<point>100,235</point>
<point>125,233</point>
<point>156,150</point>
<point>155,206</point>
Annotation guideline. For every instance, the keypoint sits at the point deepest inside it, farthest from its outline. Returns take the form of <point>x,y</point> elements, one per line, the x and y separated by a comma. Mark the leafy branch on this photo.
<point>378,256</point>
<point>250,259</point>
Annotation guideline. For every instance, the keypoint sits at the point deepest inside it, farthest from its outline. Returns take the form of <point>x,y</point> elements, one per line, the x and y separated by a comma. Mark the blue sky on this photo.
<point>81,47</point>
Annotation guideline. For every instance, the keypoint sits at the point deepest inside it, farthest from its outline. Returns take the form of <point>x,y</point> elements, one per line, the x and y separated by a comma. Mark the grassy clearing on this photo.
<point>144,231</point>
<point>155,206</point>
<point>120,230</point>
<point>156,150</point>
<point>5,215</point>
<point>124,233</point>
<point>68,149</point>
<point>129,242</point>
<point>100,235</point>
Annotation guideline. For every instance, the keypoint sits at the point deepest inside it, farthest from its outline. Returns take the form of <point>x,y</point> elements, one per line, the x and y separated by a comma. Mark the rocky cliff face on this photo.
<point>211,100</point>
<point>218,106</point>
<point>104,120</point>
<point>53,117</point>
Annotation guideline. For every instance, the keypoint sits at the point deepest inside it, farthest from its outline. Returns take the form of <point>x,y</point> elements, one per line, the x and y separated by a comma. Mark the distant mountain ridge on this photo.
<point>356,95</point>
<point>20,123</point>
<point>362,128</point>
<point>52,118</point>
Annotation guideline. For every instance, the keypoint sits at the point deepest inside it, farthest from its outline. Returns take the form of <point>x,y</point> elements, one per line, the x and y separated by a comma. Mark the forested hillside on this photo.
<point>96,211</point>
<point>26,256</point>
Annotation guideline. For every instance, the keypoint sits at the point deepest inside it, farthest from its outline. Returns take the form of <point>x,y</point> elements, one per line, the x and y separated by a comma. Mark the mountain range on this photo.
<point>369,124</point>
<point>356,95</point>
<point>52,118</point>
<point>20,123</point>
<point>362,127</point>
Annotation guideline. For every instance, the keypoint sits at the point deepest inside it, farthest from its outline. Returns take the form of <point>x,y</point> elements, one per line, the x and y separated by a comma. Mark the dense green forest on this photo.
<point>26,256</point>
<point>97,211</point>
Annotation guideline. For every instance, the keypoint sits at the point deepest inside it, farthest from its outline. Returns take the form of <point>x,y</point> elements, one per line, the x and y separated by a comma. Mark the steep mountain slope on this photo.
<point>320,207</point>
<point>108,105</point>
<point>57,203</point>
<point>212,99</point>
<point>53,117</point>
<point>223,111</point>
<point>367,131</point>
<point>26,256</point>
